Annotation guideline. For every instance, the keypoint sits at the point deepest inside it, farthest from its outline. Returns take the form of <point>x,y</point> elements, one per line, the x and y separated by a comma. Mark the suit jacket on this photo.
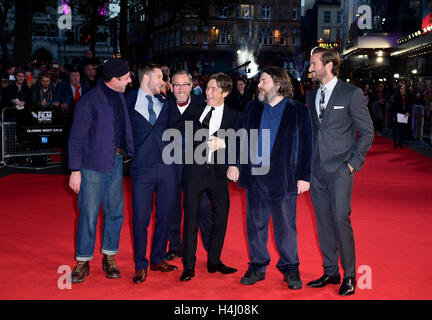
<point>218,168</point>
<point>335,137</point>
<point>148,144</point>
<point>291,156</point>
<point>197,102</point>
<point>65,94</point>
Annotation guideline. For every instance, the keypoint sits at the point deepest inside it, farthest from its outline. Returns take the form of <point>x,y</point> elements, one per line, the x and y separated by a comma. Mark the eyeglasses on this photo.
<point>178,85</point>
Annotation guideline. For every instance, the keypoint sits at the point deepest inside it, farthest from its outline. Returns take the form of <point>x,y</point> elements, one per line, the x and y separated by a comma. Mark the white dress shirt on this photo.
<point>73,90</point>
<point>215,122</point>
<point>328,92</point>
<point>216,118</point>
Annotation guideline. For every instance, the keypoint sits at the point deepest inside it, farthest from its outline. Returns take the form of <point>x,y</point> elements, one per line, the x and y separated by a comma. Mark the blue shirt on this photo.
<point>270,120</point>
<point>141,104</point>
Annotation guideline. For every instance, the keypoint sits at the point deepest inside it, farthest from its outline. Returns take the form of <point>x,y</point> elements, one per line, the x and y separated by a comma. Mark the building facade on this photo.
<point>260,31</point>
<point>383,39</point>
<point>55,42</point>
<point>329,23</point>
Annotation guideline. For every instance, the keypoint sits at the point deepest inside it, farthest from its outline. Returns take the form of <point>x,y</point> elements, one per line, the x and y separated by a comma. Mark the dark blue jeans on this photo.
<point>259,208</point>
<point>96,188</point>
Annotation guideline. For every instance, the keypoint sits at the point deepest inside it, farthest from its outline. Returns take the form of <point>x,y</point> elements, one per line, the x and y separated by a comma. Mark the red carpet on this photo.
<point>391,215</point>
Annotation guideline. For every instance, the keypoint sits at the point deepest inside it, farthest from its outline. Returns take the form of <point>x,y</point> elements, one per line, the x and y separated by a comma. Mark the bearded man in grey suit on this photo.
<point>338,110</point>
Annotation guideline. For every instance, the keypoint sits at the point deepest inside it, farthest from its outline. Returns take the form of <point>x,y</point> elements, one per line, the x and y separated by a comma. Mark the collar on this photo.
<point>184,104</point>
<point>330,85</point>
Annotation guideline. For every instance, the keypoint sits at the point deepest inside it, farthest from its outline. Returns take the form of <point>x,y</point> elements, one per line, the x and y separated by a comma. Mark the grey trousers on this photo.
<point>331,198</point>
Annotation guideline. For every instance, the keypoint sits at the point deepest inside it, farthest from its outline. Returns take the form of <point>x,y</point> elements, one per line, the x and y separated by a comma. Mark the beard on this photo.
<point>267,97</point>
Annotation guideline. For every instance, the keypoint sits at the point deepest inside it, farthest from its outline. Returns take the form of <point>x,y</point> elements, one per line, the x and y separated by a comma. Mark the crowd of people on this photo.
<point>393,98</point>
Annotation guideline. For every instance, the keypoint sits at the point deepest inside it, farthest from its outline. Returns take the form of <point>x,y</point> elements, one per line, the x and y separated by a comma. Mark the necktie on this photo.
<point>322,103</point>
<point>77,94</point>
<point>206,120</point>
<point>152,114</point>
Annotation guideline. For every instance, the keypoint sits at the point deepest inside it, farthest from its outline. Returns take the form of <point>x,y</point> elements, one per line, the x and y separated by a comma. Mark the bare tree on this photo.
<point>5,5</point>
<point>92,10</point>
<point>22,52</point>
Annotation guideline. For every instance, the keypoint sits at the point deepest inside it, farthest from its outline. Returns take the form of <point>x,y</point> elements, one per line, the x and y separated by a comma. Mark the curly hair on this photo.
<point>280,77</point>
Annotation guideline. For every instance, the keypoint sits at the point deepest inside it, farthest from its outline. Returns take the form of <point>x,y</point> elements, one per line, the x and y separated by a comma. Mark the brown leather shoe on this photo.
<point>110,268</point>
<point>163,266</point>
<point>140,276</point>
<point>81,271</point>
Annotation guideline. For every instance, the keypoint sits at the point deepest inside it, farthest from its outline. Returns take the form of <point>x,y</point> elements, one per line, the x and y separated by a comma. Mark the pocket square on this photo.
<point>338,107</point>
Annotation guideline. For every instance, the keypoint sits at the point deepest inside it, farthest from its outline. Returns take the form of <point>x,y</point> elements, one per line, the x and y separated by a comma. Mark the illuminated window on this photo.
<point>326,34</point>
<point>246,11</point>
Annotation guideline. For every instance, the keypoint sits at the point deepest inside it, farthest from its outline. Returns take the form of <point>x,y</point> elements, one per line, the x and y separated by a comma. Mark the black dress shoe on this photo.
<point>172,254</point>
<point>252,277</point>
<point>325,280</point>
<point>293,279</point>
<point>187,274</point>
<point>220,268</point>
<point>348,286</point>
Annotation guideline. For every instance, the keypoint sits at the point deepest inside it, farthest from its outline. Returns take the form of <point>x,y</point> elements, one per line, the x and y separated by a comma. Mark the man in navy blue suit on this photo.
<point>149,114</point>
<point>179,102</point>
<point>275,174</point>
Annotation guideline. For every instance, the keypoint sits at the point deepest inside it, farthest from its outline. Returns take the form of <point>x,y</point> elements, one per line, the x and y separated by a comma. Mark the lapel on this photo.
<point>255,118</point>
<point>226,118</point>
<point>330,104</point>
<point>312,106</point>
<point>283,126</point>
<point>134,97</point>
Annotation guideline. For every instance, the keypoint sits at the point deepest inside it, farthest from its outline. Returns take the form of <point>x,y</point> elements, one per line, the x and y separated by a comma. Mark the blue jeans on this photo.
<point>260,207</point>
<point>96,188</point>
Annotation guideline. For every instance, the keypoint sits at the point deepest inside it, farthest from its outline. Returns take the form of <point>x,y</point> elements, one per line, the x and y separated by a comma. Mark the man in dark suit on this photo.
<point>179,102</point>
<point>275,175</point>
<point>69,92</point>
<point>339,110</point>
<point>149,116</point>
<point>207,174</point>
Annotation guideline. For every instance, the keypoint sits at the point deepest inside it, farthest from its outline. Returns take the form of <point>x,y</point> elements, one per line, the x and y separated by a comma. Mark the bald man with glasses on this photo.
<point>179,102</point>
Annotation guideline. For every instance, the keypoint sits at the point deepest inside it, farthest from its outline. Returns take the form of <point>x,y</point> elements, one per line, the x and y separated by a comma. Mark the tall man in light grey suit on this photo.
<point>338,110</point>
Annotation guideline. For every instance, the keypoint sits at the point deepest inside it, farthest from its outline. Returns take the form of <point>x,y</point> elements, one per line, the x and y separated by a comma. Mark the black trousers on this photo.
<point>218,194</point>
<point>400,132</point>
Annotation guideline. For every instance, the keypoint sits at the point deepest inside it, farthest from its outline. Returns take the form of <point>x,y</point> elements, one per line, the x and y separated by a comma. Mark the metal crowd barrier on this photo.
<point>11,150</point>
<point>421,122</point>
